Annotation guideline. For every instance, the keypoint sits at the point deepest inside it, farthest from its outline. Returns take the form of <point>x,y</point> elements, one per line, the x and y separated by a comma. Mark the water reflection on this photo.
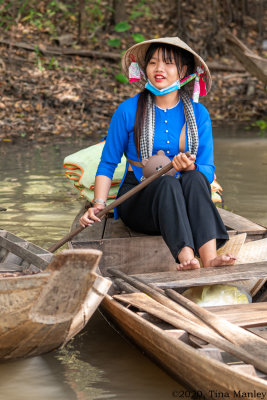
<point>241,168</point>
<point>32,379</point>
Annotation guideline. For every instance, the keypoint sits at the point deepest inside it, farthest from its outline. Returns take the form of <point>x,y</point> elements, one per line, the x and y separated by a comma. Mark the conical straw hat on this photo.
<point>138,52</point>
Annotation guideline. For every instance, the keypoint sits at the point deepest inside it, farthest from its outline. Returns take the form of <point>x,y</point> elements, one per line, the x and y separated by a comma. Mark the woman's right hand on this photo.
<point>89,217</point>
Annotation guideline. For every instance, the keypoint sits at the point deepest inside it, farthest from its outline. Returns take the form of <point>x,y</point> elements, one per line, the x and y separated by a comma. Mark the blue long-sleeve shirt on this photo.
<point>168,126</point>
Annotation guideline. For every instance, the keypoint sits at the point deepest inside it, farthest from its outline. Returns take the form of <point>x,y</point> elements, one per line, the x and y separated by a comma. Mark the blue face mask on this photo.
<point>160,92</point>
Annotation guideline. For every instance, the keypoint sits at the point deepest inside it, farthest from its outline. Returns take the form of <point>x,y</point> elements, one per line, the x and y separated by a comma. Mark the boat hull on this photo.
<point>205,376</point>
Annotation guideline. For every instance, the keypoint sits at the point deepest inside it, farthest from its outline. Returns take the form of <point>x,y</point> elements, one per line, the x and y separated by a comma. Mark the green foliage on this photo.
<point>262,125</point>
<point>122,26</point>
<point>53,63</point>
<point>121,78</point>
<point>138,38</point>
<point>140,10</point>
<point>114,42</point>
<point>44,16</point>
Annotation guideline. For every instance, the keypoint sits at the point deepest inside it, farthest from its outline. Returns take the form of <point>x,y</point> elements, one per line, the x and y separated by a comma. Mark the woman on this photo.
<point>178,208</point>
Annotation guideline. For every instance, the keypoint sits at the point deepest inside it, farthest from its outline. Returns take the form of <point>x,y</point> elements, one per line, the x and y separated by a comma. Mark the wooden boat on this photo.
<point>156,326</point>
<point>41,310</point>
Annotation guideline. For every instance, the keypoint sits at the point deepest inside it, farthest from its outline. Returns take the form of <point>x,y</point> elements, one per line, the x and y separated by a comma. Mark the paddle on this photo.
<point>147,304</point>
<point>115,203</point>
<point>233,333</point>
<point>254,352</point>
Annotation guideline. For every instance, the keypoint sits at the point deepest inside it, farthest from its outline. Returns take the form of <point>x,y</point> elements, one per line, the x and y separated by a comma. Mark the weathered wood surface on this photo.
<point>253,251</point>
<point>189,313</point>
<point>39,312</point>
<point>226,329</point>
<point>145,303</point>
<point>116,228</point>
<point>21,250</point>
<point>240,224</point>
<point>245,315</point>
<point>253,63</point>
<point>182,361</point>
<point>205,276</point>
<point>260,331</point>
<point>132,253</point>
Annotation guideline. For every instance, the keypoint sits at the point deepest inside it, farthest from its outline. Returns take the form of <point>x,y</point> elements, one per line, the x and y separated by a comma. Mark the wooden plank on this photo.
<point>205,276</point>
<point>214,353</point>
<point>115,229</point>
<point>145,303</point>
<point>238,223</point>
<point>24,253</point>
<point>244,368</point>
<point>9,267</point>
<point>254,64</point>
<point>236,335</point>
<point>179,359</point>
<point>178,334</point>
<point>260,331</point>
<point>245,315</point>
<point>132,254</point>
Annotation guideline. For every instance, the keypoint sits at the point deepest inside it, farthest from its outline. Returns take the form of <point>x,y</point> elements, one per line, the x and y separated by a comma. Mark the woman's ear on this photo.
<point>183,71</point>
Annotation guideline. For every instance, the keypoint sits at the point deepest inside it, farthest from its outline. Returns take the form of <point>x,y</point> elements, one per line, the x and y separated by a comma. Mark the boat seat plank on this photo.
<point>244,315</point>
<point>244,368</point>
<point>238,223</point>
<point>178,334</point>
<point>115,229</point>
<point>132,253</point>
<point>260,331</point>
<point>24,253</point>
<point>214,353</point>
<point>205,276</point>
<point>10,267</point>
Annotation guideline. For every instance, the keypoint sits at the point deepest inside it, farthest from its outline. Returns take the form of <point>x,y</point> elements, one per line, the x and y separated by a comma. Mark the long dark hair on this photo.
<point>181,57</point>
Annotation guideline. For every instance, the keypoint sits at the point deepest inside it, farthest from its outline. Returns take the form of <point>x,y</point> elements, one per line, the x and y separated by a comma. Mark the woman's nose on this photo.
<point>160,66</point>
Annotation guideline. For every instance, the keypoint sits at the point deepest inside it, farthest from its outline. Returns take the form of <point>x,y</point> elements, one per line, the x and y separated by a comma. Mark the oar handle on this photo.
<point>115,203</point>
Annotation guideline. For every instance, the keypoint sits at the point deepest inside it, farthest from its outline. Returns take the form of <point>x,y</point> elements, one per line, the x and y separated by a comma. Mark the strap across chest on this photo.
<point>181,148</point>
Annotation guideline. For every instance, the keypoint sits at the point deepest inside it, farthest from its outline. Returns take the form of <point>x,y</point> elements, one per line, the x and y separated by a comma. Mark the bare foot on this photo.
<point>225,259</point>
<point>190,264</point>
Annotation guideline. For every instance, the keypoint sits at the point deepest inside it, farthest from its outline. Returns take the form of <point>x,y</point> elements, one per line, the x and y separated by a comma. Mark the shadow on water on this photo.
<point>41,204</point>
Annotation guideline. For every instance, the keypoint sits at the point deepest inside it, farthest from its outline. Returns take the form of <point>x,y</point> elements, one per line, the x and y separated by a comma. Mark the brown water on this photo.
<point>41,203</point>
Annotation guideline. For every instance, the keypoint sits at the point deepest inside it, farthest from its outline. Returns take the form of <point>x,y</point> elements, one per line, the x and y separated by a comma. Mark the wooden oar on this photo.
<point>233,333</point>
<point>147,304</point>
<point>115,203</point>
<point>155,294</point>
<point>186,319</point>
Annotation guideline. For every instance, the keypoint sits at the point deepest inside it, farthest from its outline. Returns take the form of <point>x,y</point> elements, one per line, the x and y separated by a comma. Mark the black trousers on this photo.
<point>181,210</point>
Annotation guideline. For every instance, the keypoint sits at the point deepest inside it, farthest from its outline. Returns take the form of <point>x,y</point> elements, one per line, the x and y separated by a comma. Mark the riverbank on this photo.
<point>77,99</point>
<point>47,95</point>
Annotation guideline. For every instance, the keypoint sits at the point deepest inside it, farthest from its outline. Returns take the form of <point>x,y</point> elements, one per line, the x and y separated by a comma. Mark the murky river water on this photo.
<point>41,203</point>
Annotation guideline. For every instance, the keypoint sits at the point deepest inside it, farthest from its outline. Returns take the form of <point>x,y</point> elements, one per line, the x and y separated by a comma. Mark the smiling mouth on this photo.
<point>159,78</point>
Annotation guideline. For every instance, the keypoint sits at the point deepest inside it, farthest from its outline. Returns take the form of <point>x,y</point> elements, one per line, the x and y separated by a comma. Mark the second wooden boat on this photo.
<point>161,332</point>
<point>41,310</point>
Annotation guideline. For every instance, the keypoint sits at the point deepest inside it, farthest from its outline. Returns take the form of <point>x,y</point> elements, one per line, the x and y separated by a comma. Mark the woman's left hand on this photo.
<point>182,162</point>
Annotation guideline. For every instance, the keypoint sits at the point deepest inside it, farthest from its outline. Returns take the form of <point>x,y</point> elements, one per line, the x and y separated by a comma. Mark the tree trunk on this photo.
<point>119,13</point>
<point>80,20</point>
